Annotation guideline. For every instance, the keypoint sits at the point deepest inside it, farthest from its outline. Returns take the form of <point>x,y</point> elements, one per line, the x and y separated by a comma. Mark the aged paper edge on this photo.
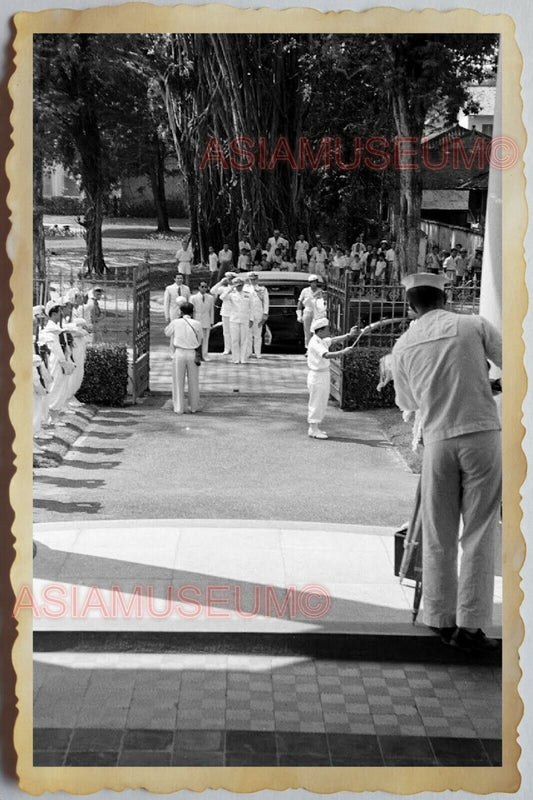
<point>140,17</point>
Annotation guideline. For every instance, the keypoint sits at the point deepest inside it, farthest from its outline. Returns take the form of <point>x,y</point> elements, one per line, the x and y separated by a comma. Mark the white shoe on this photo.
<point>75,403</point>
<point>43,435</point>
<point>226,352</point>
<point>206,358</point>
<point>316,434</point>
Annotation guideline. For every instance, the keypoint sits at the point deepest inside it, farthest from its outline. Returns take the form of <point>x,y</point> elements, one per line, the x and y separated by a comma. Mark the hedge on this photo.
<point>63,206</point>
<point>361,377</point>
<point>105,380</point>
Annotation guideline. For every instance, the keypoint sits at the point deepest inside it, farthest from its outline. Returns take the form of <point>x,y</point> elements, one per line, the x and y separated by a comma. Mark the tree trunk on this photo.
<point>156,174</point>
<point>39,253</point>
<point>409,221</point>
<point>94,259</point>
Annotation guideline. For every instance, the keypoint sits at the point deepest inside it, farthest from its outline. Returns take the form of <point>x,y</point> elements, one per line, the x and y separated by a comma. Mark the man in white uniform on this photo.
<point>318,377</point>
<point>440,369</point>
<point>184,257</point>
<point>175,295</point>
<point>260,305</point>
<point>300,250</point>
<point>204,311</point>
<point>185,336</point>
<point>311,305</point>
<point>218,290</point>
<point>318,259</point>
<point>240,319</point>
<point>57,363</point>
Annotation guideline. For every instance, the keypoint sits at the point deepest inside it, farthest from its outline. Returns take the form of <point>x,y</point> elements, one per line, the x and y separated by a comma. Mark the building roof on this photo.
<point>445,199</point>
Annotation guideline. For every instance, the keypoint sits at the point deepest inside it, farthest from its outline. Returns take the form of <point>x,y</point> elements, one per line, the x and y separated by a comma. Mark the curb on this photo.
<point>64,437</point>
<point>359,647</point>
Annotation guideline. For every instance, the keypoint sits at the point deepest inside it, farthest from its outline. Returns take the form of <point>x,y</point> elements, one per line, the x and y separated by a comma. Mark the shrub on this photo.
<point>105,379</point>
<point>63,206</point>
<point>361,377</point>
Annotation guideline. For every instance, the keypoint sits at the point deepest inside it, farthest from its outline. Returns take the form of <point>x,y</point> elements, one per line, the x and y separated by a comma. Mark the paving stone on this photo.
<point>51,739</point>
<point>200,740</point>
<point>89,740</point>
<point>93,759</point>
<point>148,740</point>
<point>48,758</point>
<point>144,758</point>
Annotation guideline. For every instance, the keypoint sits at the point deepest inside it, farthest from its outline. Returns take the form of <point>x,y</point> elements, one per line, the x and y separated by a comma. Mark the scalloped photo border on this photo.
<point>143,17</point>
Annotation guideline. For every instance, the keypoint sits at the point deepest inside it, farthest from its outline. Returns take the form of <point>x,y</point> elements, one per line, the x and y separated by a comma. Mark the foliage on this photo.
<point>63,206</point>
<point>105,379</point>
<point>361,376</point>
<point>114,105</point>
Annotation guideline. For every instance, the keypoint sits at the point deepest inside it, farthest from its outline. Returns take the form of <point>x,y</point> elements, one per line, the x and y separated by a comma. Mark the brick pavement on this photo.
<point>147,709</point>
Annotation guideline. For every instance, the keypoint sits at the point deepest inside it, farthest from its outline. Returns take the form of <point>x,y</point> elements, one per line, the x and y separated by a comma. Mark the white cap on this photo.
<point>313,278</point>
<point>321,322</point>
<point>417,279</point>
<point>36,359</point>
<point>50,305</point>
<point>38,310</point>
<point>253,275</point>
<point>236,280</point>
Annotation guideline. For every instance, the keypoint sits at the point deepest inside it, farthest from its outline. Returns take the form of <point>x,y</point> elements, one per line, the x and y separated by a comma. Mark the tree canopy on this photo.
<point>269,130</point>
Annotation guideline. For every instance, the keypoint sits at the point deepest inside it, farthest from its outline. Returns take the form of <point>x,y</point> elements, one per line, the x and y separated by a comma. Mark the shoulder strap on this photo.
<point>192,328</point>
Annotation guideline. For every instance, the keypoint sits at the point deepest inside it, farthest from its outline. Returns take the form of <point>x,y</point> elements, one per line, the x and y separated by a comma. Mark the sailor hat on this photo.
<point>321,322</point>
<point>313,278</point>
<point>417,279</point>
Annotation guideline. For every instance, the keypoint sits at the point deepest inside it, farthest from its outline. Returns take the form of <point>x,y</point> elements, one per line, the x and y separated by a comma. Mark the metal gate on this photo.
<point>361,304</point>
<point>125,307</point>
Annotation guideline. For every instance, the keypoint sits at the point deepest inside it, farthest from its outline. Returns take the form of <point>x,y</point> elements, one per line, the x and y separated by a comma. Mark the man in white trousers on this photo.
<point>204,312</point>
<point>260,305</point>
<point>240,319</point>
<point>440,369</point>
<point>185,335</point>
<point>218,290</point>
<point>318,377</point>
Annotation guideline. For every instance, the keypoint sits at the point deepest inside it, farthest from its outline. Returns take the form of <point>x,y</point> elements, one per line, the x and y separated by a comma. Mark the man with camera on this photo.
<point>439,368</point>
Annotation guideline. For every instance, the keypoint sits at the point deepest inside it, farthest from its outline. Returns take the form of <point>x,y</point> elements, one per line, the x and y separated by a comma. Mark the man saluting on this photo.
<point>439,368</point>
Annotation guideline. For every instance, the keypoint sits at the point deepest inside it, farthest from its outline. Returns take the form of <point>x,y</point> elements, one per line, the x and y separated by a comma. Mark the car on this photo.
<point>284,289</point>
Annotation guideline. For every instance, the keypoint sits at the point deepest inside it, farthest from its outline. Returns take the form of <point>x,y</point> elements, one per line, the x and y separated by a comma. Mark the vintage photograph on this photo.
<point>267,352</point>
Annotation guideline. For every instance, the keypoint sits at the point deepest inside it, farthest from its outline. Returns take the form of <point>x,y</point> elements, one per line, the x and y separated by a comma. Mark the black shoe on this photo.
<point>444,633</point>
<point>474,642</point>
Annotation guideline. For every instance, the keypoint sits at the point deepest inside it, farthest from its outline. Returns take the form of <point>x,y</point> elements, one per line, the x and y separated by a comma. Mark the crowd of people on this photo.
<point>62,329</point>
<point>367,263</point>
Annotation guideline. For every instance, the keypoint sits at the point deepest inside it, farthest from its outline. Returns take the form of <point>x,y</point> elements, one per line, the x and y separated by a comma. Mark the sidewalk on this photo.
<point>241,576</point>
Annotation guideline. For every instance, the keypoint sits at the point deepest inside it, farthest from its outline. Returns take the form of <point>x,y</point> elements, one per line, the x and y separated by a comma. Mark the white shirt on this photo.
<point>204,309</point>
<point>313,302</point>
<point>174,297</point>
<point>315,353</point>
<point>185,333</point>
<point>213,262</point>
<point>184,256</point>
<point>318,256</point>
<point>218,290</point>
<point>225,256</point>
<point>279,242</point>
<point>439,368</point>
<point>301,248</point>
<point>449,264</point>
<point>240,306</point>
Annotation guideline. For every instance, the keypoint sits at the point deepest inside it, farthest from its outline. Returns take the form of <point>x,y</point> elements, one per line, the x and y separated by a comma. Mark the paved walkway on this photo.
<point>221,577</point>
<point>239,507</point>
<point>142,709</point>
<point>274,374</point>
